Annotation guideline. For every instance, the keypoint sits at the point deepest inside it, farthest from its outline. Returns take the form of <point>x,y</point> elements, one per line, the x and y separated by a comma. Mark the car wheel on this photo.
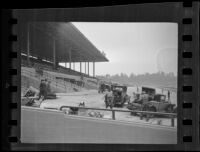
<point>175,110</point>
<point>151,109</point>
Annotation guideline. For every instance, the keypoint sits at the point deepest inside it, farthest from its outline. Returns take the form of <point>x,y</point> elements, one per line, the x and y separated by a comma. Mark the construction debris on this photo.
<point>31,97</point>
<point>96,114</point>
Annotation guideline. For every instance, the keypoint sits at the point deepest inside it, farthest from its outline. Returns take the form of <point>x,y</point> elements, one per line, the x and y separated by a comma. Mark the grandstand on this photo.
<point>44,45</point>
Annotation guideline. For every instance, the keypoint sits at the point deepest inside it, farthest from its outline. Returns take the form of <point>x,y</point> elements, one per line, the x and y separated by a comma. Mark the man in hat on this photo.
<point>43,88</point>
<point>168,95</point>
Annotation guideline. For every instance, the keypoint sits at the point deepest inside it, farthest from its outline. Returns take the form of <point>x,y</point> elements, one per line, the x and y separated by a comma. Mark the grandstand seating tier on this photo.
<point>34,80</point>
<point>62,79</point>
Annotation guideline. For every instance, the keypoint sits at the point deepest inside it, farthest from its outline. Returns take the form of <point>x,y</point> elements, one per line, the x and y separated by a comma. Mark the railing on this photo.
<point>29,97</point>
<point>173,115</point>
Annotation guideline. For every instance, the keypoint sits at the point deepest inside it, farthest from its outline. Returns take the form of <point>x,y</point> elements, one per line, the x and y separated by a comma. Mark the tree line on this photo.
<point>154,79</point>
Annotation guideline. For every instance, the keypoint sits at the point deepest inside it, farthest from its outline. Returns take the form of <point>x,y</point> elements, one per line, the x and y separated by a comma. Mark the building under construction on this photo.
<point>46,44</point>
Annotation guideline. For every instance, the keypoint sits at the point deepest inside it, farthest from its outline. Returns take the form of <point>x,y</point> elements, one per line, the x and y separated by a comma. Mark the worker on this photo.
<point>137,89</point>
<point>109,99</point>
<point>42,90</point>
<point>168,95</point>
<point>133,97</point>
<point>46,88</point>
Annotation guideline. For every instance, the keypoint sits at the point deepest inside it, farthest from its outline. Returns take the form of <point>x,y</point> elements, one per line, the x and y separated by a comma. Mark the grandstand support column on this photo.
<point>88,69</point>
<point>93,69</point>
<point>85,68</point>
<point>80,67</point>
<point>70,58</point>
<point>54,53</point>
<point>28,43</point>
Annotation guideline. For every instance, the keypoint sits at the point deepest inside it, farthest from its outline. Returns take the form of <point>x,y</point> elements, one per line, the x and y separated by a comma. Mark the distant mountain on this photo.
<point>159,79</point>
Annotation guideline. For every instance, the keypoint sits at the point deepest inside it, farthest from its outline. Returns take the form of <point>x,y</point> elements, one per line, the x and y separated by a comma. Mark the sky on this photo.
<point>137,48</point>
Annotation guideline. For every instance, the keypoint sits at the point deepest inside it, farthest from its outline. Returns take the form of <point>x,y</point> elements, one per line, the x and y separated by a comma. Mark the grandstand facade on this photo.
<point>44,45</point>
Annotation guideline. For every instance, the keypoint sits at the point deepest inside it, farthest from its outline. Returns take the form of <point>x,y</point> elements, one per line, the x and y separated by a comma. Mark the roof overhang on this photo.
<point>70,43</point>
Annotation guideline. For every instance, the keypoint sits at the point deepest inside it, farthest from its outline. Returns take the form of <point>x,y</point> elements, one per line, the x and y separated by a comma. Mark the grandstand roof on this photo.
<point>66,36</point>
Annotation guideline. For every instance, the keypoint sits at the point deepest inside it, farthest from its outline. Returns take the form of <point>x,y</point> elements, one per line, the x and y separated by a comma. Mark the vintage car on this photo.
<point>117,97</point>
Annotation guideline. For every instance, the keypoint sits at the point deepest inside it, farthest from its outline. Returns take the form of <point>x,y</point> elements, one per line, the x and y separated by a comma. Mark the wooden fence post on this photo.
<point>113,114</point>
<point>172,122</point>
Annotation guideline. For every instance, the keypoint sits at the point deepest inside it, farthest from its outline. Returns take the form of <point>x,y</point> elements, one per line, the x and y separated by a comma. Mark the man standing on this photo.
<point>168,95</point>
<point>45,88</point>
<point>42,90</point>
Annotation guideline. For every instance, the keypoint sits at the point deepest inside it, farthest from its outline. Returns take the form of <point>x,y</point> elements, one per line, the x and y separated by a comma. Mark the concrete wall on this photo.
<point>50,126</point>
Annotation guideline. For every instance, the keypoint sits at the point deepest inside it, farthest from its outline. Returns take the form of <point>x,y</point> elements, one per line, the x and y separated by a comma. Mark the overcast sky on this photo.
<point>133,47</point>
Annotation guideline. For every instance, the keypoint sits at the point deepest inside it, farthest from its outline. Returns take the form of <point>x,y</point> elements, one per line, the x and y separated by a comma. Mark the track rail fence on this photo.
<point>172,115</point>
